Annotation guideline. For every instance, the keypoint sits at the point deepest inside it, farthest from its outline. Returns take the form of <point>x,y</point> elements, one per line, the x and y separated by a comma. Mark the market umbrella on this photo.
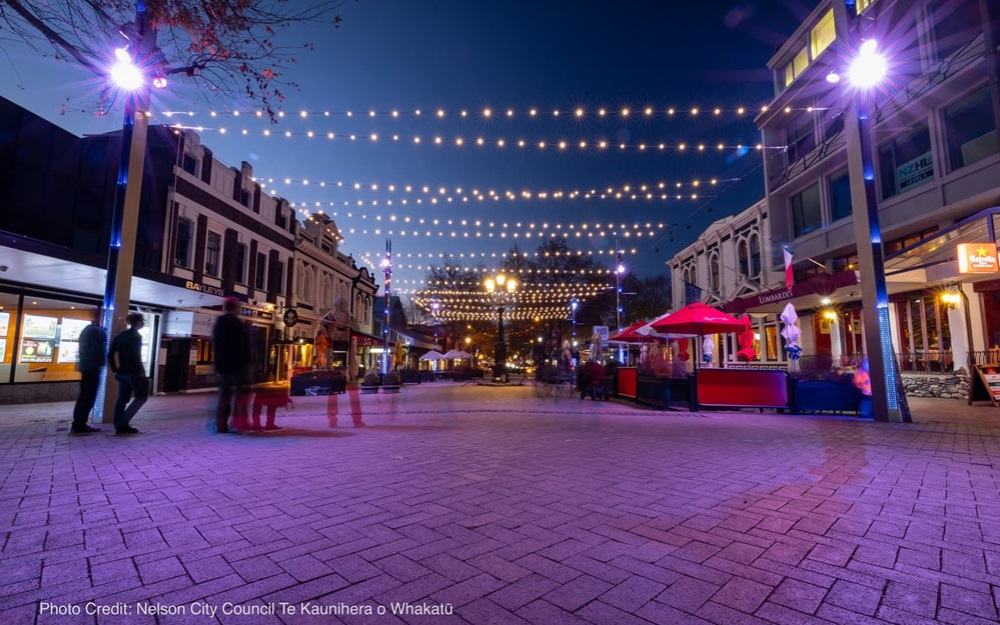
<point>629,334</point>
<point>451,354</point>
<point>791,332</point>
<point>432,355</point>
<point>461,354</point>
<point>697,318</point>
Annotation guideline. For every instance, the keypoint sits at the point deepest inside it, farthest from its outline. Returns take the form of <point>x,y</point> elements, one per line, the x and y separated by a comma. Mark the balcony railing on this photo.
<point>930,361</point>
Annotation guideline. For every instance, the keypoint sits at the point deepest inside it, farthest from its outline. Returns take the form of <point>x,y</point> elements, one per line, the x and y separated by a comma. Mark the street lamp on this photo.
<point>866,72</point>
<point>387,269</point>
<point>501,291</point>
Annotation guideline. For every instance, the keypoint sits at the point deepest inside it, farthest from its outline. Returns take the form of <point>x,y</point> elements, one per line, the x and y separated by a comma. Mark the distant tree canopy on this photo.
<point>230,46</point>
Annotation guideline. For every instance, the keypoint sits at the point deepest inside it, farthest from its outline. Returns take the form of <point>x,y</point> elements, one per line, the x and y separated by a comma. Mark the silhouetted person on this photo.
<point>232,357</point>
<point>92,339</point>
<point>125,360</point>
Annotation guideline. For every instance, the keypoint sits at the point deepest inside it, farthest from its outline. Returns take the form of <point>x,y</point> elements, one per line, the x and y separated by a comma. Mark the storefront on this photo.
<point>367,350</point>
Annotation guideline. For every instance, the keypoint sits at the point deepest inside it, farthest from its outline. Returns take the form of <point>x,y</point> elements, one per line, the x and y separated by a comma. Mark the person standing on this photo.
<point>92,341</point>
<point>232,355</point>
<point>125,360</point>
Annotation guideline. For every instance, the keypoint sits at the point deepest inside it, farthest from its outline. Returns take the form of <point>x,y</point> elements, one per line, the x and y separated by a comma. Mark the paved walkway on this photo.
<point>494,506</point>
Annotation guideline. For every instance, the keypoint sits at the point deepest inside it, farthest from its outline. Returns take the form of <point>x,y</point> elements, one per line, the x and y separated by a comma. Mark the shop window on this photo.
<point>182,246</point>
<point>212,252</point>
<point>801,139</point>
<point>840,196</point>
<point>241,263</point>
<point>260,271</point>
<point>49,347</point>
<point>755,262</point>
<point>8,328</point>
<point>806,213</point>
<point>971,129</point>
<point>906,162</point>
<point>822,34</point>
<point>955,25</point>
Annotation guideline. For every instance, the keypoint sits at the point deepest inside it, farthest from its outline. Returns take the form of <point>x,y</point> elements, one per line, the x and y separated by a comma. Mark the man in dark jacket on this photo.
<point>92,341</point>
<point>232,354</point>
<point>125,361</point>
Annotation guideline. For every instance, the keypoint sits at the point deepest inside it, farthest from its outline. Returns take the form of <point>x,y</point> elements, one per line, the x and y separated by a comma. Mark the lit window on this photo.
<point>822,34</point>
<point>798,65</point>
<point>861,5</point>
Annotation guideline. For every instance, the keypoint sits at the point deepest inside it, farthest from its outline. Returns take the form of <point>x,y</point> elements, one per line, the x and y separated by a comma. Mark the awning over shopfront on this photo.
<point>806,294</point>
<point>414,339</point>
<point>366,340</point>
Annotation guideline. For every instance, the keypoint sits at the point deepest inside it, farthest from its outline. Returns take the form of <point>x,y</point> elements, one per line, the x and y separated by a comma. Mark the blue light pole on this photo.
<point>387,268</point>
<point>866,72</point>
<point>129,77</point>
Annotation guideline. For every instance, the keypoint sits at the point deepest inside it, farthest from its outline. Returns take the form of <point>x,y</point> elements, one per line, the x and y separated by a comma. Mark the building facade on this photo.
<point>936,169</point>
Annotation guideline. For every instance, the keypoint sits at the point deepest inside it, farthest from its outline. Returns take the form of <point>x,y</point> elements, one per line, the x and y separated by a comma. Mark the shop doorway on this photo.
<point>175,373</point>
<point>290,357</point>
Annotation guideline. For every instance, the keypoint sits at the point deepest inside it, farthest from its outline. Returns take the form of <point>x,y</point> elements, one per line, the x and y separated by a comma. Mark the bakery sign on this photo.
<point>977,258</point>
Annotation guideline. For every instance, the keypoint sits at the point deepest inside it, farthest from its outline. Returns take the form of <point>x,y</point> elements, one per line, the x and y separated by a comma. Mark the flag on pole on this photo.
<point>692,293</point>
<point>789,274</point>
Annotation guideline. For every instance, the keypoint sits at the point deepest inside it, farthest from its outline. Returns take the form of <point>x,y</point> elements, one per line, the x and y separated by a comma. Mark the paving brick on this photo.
<point>577,593</point>
<point>523,591</point>
<point>742,594</point>
<point>688,594</point>
<point>914,599</point>
<point>799,596</point>
<point>632,593</point>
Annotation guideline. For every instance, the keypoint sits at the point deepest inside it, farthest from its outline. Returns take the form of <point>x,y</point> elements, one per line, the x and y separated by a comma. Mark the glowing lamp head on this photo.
<point>386,263</point>
<point>511,285</point>
<point>620,269</point>
<point>501,279</point>
<point>869,67</point>
<point>833,77</point>
<point>160,82</point>
<point>490,285</point>
<point>124,72</point>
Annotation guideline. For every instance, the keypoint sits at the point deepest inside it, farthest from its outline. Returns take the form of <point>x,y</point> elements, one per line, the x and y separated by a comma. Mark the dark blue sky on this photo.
<point>407,55</point>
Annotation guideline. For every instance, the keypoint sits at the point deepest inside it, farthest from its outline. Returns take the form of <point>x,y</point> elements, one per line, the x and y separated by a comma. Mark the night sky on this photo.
<point>406,55</point>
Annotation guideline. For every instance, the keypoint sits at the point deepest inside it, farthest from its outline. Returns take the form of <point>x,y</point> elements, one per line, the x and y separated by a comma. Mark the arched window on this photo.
<point>754,255</point>
<point>714,273</point>
<point>743,254</point>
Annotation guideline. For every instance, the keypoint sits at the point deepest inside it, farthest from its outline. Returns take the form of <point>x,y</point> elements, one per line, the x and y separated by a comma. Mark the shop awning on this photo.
<point>414,339</point>
<point>806,294</point>
<point>366,340</point>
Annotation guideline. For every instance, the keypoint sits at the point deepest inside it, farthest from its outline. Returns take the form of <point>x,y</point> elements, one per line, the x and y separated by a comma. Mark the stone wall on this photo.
<point>947,386</point>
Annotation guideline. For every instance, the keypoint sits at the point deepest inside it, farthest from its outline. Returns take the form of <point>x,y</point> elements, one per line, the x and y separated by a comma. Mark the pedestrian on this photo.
<point>232,357</point>
<point>92,341</point>
<point>125,361</point>
<point>863,382</point>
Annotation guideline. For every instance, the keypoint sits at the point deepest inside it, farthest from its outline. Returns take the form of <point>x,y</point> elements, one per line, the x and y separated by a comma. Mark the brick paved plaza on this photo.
<point>501,507</point>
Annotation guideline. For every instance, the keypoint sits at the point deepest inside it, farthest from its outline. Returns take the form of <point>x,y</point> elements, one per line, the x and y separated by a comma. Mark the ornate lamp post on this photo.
<point>501,290</point>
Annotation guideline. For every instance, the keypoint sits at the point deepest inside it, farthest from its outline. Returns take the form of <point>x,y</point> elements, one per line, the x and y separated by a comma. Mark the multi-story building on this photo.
<point>937,171</point>
<point>333,300</point>
<point>206,231</point>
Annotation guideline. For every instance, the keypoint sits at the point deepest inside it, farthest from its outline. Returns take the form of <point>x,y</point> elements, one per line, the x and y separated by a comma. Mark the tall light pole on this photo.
<point>129,75</point>
<point>387,269</point>
<point>501,290</point>
<point>619,274</point>
<point>866,72</point>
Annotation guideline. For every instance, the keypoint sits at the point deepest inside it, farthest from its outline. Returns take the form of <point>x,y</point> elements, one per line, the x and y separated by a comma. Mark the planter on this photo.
<point>825,396</point>
<point>368,390</point>
<point>390,388</point>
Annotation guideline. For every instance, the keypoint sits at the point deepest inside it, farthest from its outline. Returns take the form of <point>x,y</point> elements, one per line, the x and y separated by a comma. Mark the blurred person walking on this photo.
<point>232,357</point>
<point>125,361</point>
<point>93,340</point>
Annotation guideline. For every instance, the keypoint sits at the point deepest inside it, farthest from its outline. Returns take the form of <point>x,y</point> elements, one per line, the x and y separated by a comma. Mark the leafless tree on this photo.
<point>231,46</point>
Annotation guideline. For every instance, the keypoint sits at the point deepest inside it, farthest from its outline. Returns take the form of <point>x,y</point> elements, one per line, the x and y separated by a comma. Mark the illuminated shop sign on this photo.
<point>977,258</point>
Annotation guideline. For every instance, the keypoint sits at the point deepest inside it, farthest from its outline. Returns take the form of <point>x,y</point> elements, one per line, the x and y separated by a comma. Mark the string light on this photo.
<point>500,142</point>
<point>579,112</point>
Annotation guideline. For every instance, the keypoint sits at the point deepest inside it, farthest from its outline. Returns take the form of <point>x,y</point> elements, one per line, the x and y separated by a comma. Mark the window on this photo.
<point>190,165</point>
<point>801,139</point>
<point>279,276</point>
<point>834,127</point>
<point>182,246</point>
<point>245,198</point>
<point>840,196</point>
<point>822,34</point>
<point>714,276</point>
<point>806,213</point>
<point>971,129</point>
<point>905,162</point>
<point>214,247</point>
<point>797,66</point>
<point>861,5</point>
<point>743,257</point>
<point>260,271</point>
<point>754,256</point>
<point>956,25</point>
<point>241,263</point>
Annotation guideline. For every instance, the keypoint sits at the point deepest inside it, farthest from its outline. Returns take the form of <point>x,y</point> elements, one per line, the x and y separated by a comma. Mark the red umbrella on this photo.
<point>698,318</point>
<point>629,335</point>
